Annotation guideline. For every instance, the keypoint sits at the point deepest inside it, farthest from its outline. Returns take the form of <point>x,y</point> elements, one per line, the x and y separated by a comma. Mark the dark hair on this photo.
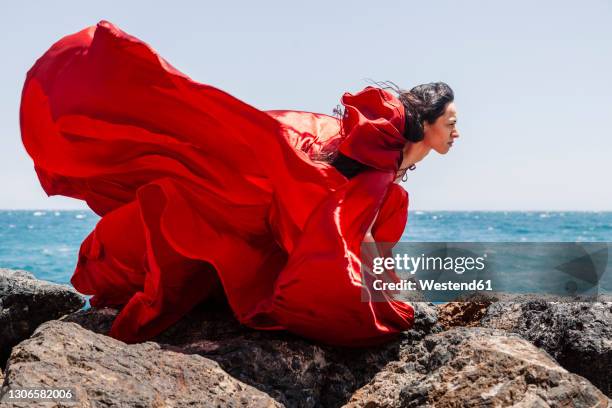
<point>425,102</point>
<point>347,166</point>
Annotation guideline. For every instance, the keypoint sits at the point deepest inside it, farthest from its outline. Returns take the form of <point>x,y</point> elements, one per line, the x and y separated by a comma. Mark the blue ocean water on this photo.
<point>46,242</point>
<point>508,226</point>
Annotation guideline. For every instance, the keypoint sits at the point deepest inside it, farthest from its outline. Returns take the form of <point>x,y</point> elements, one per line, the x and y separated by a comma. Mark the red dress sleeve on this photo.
<point>392,217</point>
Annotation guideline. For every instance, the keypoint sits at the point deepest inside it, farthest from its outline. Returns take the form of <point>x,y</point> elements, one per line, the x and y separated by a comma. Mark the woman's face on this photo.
<point>440,135</point>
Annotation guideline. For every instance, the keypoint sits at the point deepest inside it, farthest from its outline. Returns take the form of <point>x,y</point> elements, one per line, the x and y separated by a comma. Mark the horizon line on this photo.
<point>409,210</point>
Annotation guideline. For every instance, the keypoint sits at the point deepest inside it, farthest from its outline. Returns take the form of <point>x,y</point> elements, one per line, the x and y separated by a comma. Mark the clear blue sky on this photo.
<point>532,81</point>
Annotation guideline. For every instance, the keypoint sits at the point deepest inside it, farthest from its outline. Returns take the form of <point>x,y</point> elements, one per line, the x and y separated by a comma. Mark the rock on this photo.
<point>464,314</point>
<point>475,367</point>
<point>577,335</point>
<point>469,310</point>
<point>423,367</point>
<point>426,320</point>
<point>26,302</point>
<point>105,372</point>
<point>295,371</point>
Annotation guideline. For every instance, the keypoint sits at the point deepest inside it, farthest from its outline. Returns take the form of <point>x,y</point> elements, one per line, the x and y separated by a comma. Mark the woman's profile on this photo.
<point>203,195</point>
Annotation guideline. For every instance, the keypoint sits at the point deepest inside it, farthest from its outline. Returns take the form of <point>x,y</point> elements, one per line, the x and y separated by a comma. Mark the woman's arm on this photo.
<point>368,236</point>
<point>369,248</point>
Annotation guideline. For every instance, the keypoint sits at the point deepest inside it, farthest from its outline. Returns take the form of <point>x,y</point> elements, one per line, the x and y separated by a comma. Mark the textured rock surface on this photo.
<point>476,367</point>
<point>469,310</point>
<point>577,335</point>
<point>105,372</point>
<point>463,314</point>
<point>26,302</point>
<point>426,320</point>
<point>208,356</point>
<point>294,371</point>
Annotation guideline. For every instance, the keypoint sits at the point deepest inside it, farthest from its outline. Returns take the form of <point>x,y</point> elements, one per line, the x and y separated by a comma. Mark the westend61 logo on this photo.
<point>517,271</point>
<point>413,264</point>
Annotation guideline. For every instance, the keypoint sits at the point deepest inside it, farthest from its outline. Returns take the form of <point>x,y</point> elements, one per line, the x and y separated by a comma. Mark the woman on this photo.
<point>203,195</point>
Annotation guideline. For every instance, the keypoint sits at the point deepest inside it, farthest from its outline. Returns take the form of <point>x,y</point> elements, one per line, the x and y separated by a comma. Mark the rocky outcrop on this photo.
<point>475,367</point>
<point>26,302</point>
<point>578,335</point>
<point>105,372</point>
<point>294,371</point>
<point>213,358</point>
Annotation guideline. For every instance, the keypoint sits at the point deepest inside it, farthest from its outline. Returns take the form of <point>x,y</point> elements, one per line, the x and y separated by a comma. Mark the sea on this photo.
<point>46,242</point>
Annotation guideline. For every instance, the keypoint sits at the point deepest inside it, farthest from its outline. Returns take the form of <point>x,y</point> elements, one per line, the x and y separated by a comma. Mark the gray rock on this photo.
<point>577,335</point>
<point>105,372</point>
<point>476,367</point>
<point>426,320</point>
<point>26,302</point>
<point>295,371</point>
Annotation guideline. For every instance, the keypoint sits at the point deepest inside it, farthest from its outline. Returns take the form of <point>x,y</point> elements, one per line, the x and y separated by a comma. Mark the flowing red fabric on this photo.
<point>203,195</point>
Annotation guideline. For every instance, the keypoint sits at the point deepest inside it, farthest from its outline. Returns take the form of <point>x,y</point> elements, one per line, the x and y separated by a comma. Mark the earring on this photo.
<point>405,176</point>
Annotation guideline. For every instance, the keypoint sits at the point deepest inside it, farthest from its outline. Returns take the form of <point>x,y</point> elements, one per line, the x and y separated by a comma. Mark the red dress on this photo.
<point>203,194</point>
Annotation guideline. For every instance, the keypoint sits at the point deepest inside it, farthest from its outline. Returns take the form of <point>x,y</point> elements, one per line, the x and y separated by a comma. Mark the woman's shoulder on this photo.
<point>376,98</point>
<point>373,128</point>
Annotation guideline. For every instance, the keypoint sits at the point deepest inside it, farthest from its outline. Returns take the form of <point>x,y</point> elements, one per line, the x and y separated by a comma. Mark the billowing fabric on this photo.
<point>373,123</point>
<point>203,195</point>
